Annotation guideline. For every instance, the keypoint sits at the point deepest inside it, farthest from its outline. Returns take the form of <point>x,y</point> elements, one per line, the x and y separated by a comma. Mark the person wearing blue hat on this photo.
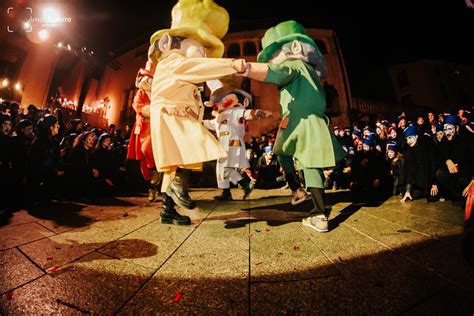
<point>451,126</point>
<point>368,173</point>
<point>356,136</point>
<point>419,167</point>
<point>291,60</point>
<point>268,169</point>
<point>395,159</point>
<point>457,167</point>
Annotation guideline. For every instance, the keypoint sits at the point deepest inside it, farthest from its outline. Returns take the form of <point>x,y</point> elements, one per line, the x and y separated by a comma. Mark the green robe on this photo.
<point>302,100</point>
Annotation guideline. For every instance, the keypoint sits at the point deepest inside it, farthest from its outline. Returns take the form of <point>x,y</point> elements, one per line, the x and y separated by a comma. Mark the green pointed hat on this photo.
<point>277,36</point>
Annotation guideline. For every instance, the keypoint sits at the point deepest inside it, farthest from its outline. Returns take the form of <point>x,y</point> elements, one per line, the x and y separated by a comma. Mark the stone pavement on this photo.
<point>241,257</point>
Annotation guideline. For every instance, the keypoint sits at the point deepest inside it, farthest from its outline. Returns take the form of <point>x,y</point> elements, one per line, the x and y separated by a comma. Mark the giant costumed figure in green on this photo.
<point>291,60</point>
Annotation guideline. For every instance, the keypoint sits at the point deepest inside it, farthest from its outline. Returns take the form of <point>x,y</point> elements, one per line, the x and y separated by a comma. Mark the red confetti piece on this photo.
<point>49,258</point>
<point>9,295</point>
<point>296,248</point>
<point>137,280</point>
<point>178,297</point>
<point>53,269</point>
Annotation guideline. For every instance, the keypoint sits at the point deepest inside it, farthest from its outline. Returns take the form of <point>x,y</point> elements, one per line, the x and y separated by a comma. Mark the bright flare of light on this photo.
<point>4,82</point>
<point>68,47</point>
<point>18,86</point>
<point>50,13</point>
<point>43,34</point>
<point>60,44</point>
<point>27,25</point>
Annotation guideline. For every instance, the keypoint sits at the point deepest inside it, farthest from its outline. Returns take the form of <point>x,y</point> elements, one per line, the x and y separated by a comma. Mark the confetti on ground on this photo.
<point>137,280</point>
<point>53,269</point>
<point>250,235</point>
<point>258,230</point>
<point>258,263</point>
<point>49,258</point>
<point>57,247</point>
<point>266,230</point>
<point>178,297</point>
<point>125,214</point>
<point>296,248</point>
<point>9,295</point>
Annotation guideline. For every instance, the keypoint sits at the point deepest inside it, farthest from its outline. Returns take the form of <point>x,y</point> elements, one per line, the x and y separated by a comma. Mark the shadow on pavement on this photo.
<point>61,213</point>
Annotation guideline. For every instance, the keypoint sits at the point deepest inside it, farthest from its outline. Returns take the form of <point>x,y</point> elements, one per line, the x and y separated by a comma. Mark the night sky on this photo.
<point>371,35</point>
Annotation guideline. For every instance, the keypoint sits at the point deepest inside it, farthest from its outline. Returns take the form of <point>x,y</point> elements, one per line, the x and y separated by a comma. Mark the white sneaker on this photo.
<point>319,223</point>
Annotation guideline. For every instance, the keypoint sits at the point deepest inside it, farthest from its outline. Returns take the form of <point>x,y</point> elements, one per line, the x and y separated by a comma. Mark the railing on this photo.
<point>92,119</point>
<point>371,107</point>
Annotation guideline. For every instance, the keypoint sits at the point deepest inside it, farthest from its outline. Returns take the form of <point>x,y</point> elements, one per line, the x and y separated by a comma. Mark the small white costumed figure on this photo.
<point>230,103</point>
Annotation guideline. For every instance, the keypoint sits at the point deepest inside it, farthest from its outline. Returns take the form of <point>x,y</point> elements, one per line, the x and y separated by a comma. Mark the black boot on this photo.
<point>178,189</point>
<point>169,215</point>
<point>225,196</point>
<point>317,195</point>
<point>293,181</point>
<point>246,186</point>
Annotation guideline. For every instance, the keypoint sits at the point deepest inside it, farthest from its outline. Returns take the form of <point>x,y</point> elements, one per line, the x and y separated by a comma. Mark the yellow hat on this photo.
<point>201,20</point>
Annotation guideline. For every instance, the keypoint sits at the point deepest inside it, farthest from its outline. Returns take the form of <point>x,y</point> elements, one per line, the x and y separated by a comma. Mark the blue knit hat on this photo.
<point>369,140</point>
<point>267,149</point>
<point>410,131</point>
<point>392,146</point>
<point>451,119</point>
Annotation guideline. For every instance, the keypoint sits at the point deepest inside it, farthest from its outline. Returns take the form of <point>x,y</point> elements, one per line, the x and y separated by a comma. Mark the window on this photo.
<point>250,49</point>
<point>322,47</point>
<point>402,79</point>
<point>233,50</point>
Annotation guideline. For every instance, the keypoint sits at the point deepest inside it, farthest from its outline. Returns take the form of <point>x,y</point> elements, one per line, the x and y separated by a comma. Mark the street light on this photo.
<point>51,14</point>
<point>5,83</point>
<point>18,86</point>
<point>43,34</point>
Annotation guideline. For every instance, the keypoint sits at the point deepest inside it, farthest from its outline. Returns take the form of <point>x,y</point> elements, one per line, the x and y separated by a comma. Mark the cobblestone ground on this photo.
<point>240,257</point>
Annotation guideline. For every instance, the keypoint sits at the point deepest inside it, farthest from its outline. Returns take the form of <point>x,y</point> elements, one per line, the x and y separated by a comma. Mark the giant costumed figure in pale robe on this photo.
<point>291,60</point>
<point>180,141</point>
